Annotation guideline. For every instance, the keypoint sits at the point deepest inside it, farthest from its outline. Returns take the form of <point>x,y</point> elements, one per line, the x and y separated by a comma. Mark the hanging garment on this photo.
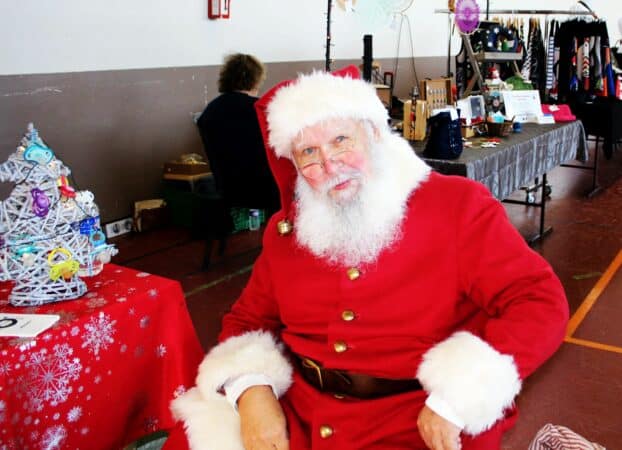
<point>585,63</point>
<point>538,59</point>
<point>526,70</point>
<point>571,36</point>
<point>550,56</point>
<point>597,65</point>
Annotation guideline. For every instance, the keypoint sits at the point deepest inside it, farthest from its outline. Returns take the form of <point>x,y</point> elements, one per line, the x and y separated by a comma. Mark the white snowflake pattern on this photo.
<point>75,331</point>
<point>2,410</point>
<point>99,332</point>
<point>53,438</point>
<point>5,368</point>
<point>145,321</point>
<point>131,311</point>
<point>142,274</point>
<point>97,379</point>
<point>74,414</point>
<point>160,351</point>
<point>122,299</point>
<point>84,431</point>
<point>153,293</point>
<point>49,377</point>
<point>96,302</point>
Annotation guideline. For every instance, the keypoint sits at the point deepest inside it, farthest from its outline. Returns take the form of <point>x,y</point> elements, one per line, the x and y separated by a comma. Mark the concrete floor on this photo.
<point>580,387</point>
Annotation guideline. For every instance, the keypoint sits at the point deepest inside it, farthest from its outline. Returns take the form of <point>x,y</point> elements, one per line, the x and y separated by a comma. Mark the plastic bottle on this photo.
<point>254,220</point>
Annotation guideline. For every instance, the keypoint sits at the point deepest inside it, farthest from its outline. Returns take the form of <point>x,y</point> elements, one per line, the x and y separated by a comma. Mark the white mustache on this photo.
<point>341,178</point>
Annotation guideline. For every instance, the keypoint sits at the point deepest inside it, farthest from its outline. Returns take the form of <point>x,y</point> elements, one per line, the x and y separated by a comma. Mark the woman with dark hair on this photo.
<point>232,138</point>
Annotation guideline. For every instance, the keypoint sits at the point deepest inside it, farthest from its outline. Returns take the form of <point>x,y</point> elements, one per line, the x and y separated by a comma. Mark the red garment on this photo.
<point>561,113</point>
<point>486,281</point>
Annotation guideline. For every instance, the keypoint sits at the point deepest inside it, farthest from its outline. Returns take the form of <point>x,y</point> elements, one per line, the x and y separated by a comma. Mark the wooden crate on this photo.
<point>436,93</point>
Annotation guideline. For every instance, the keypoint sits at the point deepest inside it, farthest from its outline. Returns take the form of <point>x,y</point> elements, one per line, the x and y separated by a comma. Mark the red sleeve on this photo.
<point>518,289</point>
<point>256,308</point>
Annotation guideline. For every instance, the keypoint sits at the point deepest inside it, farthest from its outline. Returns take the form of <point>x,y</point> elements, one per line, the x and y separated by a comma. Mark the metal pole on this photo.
<point>487,9</point>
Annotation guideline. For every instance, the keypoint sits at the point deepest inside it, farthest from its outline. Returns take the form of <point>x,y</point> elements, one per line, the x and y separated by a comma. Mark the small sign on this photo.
<point>25,325</point>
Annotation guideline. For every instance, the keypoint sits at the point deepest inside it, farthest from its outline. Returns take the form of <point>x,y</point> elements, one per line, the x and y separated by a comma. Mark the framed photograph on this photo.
<point>213,9</point>
<point>478,107</point>
<point>472,107</point>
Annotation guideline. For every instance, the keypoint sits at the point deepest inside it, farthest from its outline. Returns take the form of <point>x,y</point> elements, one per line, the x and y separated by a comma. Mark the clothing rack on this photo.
<point>529,12</point>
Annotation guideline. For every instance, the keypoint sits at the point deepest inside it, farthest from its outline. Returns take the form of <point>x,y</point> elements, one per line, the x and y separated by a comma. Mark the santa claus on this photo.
<point>391,307</point>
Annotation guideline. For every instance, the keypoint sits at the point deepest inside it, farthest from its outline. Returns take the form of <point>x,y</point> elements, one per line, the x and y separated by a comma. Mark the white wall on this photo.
<point>84,35</point>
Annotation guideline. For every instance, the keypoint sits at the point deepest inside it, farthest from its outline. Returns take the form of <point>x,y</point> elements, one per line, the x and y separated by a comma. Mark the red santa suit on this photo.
<point>459,302</point>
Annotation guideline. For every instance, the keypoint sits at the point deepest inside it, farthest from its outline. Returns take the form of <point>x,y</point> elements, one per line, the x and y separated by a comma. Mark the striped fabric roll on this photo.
<point>558,437</point>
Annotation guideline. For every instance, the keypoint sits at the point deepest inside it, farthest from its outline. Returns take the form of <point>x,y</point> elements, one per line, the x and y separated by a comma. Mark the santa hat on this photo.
<point>319,96</point>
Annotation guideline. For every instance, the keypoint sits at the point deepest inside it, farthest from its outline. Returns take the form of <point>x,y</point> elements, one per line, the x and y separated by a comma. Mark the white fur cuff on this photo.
<point>210,421</point>
<point>477,381</point>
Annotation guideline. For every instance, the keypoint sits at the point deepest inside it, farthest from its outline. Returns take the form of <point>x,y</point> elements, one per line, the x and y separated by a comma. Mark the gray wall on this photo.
<point>115,129</point>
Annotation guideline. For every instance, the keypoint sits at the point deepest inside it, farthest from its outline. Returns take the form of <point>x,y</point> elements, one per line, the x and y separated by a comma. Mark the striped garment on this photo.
<point>558,437</point>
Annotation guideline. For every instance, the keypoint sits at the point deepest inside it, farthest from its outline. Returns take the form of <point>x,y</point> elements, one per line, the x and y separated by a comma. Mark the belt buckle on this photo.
<point>310,364</point>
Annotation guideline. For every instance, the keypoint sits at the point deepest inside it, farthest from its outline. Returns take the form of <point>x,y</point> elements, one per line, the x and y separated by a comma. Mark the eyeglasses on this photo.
<point>311,161</point>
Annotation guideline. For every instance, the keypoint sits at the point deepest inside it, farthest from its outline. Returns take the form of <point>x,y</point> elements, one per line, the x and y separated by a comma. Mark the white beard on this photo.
<point>354,231</point>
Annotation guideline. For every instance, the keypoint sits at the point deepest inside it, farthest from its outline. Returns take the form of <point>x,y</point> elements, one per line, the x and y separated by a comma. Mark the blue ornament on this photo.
<point>38,154</point>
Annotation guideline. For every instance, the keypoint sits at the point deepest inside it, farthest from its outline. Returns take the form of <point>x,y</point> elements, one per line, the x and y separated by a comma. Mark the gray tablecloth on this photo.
<point>518,159</point>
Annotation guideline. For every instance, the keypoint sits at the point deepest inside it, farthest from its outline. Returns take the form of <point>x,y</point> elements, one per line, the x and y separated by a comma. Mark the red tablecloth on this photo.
<point>105,374</point>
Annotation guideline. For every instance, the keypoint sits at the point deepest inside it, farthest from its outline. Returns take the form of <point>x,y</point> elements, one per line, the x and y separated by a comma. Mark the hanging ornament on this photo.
<point>87,226</point>
<point>66,268</point>
<point>65,189</point>
<point>467,15</point>
<point>40,202</point>
<point>38,154</point>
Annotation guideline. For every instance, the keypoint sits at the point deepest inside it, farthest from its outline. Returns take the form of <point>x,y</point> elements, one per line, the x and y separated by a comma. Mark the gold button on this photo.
<point>347,315</point>
<point>353,273</point>
<point>340,346</point>
<point>326,431</point>
<point>284,227</point>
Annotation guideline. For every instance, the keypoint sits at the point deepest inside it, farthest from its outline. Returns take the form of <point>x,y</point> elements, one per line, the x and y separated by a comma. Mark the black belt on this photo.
<point>352,384</point>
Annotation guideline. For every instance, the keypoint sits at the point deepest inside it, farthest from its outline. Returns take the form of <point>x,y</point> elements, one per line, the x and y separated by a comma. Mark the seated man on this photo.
<point>232,137</point>
<point>392,307</point>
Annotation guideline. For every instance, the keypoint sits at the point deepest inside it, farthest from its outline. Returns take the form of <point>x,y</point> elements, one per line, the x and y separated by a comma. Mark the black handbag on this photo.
<point>445,138</point>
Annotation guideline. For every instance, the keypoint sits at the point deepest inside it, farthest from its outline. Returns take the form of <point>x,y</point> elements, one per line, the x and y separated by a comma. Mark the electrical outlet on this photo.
<point>119,227</point>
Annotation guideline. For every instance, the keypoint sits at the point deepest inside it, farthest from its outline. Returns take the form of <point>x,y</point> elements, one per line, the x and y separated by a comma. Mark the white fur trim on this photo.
<point>477,381</point>
<point>210,421</point>
<point>316,97</point>
<point>411,170</point>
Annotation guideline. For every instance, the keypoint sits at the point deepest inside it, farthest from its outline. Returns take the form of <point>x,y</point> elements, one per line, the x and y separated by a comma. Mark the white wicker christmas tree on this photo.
<point>50,235</point>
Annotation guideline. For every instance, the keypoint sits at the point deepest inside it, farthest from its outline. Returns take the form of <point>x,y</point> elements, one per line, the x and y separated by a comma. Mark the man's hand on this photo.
<point>262,421</point>
<point>437,432</point>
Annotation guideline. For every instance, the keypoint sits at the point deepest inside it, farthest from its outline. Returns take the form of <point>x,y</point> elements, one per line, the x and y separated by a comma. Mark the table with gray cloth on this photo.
<point>517,160</point>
